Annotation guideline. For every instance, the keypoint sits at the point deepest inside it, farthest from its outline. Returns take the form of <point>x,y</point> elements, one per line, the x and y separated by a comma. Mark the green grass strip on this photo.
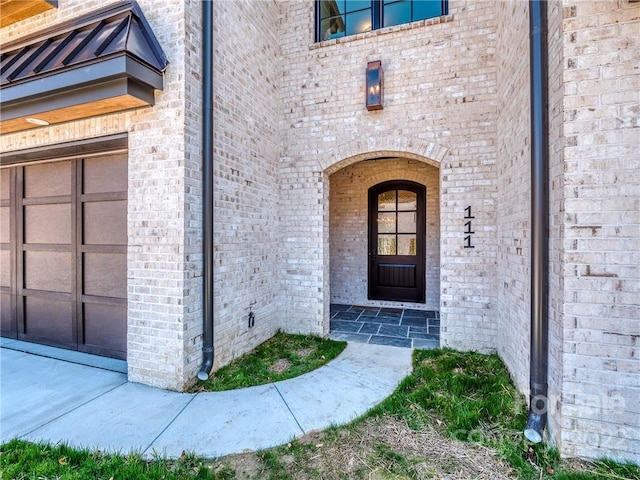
<point>281,357</point>
<point>22,460</point>
<point>470,396</point>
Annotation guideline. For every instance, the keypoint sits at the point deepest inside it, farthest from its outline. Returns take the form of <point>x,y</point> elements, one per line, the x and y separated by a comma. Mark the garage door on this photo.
<point>63,237</point>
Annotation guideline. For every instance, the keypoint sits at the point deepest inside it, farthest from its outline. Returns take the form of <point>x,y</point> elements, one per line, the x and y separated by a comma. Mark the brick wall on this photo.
<point>164,274</point>
<point>439,108</point>
<point>556,220</point>
<point>514,204</point>
<point>601,331</point>
<point>348,227</point>
<point>514,158</point>
<point>514,194</point>
<point>594,220</point>
<point>193,230</point>
<point>165,186</point>
<point>246,78</point>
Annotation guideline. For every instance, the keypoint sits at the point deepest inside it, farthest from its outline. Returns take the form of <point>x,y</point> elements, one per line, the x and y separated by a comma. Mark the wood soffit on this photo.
<point>100,63</point>
<point>12,11</point>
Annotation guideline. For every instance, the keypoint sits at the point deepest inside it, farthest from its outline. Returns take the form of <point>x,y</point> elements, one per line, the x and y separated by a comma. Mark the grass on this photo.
<point>281,357</point>
<point>22,460</point>
<point>470,397</point>
<point>456,416</point>
<point>458,391</point>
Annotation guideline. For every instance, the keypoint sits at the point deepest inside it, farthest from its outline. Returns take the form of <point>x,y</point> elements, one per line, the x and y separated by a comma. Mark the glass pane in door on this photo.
<point>387,201</point>
<point>386,222</point>
<point>407,200</point>
<point>406,222</point>
<point>407,245</point>
<point>386,245</point>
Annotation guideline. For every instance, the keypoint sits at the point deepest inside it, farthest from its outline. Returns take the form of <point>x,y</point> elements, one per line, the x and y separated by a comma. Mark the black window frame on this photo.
<point>377,16</point>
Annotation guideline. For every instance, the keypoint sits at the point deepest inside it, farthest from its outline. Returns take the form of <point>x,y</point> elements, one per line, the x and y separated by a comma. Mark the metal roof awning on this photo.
<point>104,62</point>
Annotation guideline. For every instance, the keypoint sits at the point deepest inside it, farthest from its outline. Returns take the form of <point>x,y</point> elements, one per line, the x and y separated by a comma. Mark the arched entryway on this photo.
<point>353,233</point>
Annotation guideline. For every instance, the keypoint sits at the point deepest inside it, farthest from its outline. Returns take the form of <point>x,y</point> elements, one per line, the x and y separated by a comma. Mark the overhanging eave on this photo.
<point>104,62</point>
<point>88,95</point>
<point>100,80</point>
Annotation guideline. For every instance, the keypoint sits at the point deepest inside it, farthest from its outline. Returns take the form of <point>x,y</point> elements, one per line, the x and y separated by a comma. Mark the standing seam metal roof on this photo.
<point>118,29</point>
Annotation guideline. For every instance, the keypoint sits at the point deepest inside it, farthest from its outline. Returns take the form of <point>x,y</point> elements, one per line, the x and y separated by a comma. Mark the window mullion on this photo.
<point>376,13</point>
<point>396,232</point>
<point>318,20</point>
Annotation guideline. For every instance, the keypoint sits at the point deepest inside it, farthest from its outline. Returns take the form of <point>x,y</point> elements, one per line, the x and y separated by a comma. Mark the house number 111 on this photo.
<point>468,231</point>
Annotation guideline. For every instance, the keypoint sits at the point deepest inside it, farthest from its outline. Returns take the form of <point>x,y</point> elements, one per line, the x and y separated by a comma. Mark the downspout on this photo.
<point>207,180</point>
<point>537,419</point>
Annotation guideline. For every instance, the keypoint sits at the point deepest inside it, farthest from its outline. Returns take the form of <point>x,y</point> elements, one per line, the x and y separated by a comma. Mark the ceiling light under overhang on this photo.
<point>37,121</point>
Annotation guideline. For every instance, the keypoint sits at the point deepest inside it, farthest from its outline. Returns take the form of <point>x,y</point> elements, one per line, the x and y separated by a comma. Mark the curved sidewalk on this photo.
<point>43,399</point>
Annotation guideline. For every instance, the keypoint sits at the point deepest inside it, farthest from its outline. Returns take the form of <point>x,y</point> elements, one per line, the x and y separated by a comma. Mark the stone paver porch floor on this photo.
<point>398,327</point>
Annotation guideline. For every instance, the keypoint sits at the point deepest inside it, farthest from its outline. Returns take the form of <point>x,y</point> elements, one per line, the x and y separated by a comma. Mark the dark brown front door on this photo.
<point>66,259</point>
<point>397,242</point>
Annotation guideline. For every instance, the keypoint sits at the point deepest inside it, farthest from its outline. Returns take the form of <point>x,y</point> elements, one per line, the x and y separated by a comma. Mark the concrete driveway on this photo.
<point>55,400</point>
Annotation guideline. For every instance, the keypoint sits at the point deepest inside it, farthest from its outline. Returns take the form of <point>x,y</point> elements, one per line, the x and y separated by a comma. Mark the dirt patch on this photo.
<point>245,466</point>
<point>379,449</point>
<point>280,366</point>
<point>304,352</point>
<point>383,448</point>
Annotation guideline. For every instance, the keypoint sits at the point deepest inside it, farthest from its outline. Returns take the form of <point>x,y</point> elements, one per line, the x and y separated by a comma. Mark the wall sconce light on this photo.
<point>375,86</point>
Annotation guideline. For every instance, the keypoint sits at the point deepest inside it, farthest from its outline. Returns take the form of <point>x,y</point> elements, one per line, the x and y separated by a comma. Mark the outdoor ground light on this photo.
<point>375,86</point>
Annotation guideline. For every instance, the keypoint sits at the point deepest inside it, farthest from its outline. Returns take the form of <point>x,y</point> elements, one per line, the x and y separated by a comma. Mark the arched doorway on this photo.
<point>349,230</point>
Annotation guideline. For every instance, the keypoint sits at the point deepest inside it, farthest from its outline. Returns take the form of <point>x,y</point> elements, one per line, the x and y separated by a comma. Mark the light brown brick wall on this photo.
<point>514,204</point>
<point>514,194</point>
<point>165,186</point>
<point>594,220</point>
<point>440,103</point>
<point>193,276</point>
<point>601,328</point>
<point>556,220</point>
<point>247,75</point>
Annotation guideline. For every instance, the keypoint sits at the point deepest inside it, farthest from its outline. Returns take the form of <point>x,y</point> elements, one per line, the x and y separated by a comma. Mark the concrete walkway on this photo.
<point>46,399</point>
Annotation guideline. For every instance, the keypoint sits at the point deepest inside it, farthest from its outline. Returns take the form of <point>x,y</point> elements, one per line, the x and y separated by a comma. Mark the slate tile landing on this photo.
<point>398,327</point>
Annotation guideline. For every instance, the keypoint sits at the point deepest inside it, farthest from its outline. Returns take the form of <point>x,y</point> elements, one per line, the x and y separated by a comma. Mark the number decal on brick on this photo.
<point>468,231</point>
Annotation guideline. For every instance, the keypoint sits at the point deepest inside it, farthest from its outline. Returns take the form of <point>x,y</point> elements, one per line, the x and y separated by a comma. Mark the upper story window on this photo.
<point>339,18</point>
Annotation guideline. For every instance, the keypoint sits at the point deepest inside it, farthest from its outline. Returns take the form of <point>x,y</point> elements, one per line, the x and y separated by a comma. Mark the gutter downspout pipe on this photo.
<point>538,404</point>
<point>207,180</point>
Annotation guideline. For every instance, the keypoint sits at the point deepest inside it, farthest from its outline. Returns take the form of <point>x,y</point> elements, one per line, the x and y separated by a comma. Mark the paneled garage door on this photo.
<point>63,237</point>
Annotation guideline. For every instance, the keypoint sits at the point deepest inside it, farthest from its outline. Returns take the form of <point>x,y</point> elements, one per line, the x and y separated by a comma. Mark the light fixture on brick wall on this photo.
<point>375,86</point>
